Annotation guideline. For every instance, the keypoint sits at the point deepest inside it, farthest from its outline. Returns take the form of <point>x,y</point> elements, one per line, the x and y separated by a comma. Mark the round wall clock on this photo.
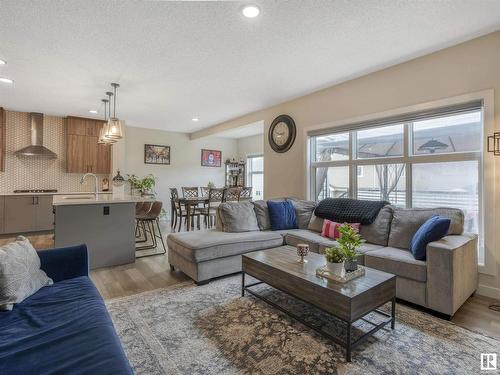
<point>282,133</point>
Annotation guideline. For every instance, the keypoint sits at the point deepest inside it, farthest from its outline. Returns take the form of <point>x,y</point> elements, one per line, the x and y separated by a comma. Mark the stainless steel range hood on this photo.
<point>37,148</point>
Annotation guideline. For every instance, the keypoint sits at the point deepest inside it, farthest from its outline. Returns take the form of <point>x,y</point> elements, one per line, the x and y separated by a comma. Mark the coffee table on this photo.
<point>280,268</point>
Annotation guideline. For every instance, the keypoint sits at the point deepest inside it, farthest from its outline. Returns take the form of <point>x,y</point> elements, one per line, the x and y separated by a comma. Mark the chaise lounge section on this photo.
<point>442,282</point>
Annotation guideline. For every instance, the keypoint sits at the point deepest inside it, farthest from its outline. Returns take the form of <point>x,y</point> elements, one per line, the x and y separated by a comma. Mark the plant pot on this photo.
<point>335,268</point>
<point>351,265</point>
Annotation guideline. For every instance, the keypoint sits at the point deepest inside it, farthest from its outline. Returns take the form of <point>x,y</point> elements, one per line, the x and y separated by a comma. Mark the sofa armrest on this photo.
<point>452,274</point>
<point>65,263</point>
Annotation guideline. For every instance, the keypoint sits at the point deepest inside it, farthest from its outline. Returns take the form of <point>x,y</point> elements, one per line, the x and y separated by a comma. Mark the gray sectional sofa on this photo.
<point>442,283</point>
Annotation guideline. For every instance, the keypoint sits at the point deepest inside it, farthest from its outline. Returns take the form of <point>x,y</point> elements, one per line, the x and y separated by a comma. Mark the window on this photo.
<point>255,176</point>
<point>416,160</point>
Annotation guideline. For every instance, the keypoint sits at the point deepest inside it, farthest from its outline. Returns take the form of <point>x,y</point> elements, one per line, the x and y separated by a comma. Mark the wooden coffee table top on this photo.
<point>280,268</point>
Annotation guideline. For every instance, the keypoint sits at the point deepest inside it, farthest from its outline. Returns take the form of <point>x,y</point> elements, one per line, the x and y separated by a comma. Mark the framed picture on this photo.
<point>156,154</point>
<point>211,158</point>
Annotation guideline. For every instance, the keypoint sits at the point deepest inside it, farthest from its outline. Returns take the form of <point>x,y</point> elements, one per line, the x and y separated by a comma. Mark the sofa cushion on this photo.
<point>313,239</point>
<point>20,273</point>
<point>262,214</point>
<point>282,215</point>
<point>199,246</point>
<point>315,224</point>
<point>398,262</point>
<point>238,217</point>
<point>378,231</point>
<point>405,223</point>
<point>62,329</point>
<point>303,210</point>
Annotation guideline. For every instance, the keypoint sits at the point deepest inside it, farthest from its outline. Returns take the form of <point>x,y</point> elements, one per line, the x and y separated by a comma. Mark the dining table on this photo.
<point>190,203</point>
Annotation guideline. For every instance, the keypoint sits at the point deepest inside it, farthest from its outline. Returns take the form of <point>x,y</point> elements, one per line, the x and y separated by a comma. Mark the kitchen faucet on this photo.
<point>93,175</point>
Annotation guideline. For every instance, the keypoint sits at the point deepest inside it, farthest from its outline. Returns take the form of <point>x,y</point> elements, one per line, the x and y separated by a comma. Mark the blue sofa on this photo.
<point>64,328</point>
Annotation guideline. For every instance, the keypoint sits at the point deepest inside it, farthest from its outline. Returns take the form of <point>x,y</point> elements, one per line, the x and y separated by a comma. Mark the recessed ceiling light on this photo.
<point>195,119</point>
<point>6,80</point>
<point>93,111</point>
<point>251,11</point>
<point>3,62</point>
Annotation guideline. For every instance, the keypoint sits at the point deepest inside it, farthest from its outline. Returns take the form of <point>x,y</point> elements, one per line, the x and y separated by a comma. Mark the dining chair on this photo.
<point>190,192</point>
<point>232,194</point>
<point>209,212</point>
<point>174,196</point>
<point>204,191</point>
<point>246,193</point>
<point>150,223</point>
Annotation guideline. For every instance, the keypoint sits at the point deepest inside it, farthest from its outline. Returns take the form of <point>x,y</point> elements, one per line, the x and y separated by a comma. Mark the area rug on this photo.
<point>212,330</point>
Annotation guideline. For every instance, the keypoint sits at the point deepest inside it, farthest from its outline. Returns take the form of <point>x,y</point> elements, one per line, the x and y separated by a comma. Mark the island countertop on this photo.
<point>91,198</point>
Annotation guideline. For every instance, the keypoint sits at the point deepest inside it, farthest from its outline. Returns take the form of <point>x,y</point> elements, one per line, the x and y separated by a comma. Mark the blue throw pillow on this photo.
<point>282,215</point>
<point>433,229</point>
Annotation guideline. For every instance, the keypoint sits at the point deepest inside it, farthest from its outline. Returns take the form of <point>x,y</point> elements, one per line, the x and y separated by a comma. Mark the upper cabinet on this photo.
<point>83,153</point>
<point>3,125</point>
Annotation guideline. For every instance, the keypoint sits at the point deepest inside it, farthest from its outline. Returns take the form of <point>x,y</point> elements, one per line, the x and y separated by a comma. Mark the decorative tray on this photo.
<point>346,276</point>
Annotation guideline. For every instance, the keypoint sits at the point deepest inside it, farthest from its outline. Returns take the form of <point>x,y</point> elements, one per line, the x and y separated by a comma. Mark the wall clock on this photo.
<point>282,133</point>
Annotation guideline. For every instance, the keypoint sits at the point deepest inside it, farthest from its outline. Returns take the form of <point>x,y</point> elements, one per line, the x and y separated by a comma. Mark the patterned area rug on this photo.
<point>212,330</point>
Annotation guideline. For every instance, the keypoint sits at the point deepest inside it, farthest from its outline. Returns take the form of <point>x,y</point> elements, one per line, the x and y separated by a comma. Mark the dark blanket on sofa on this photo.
<point>345,210</point>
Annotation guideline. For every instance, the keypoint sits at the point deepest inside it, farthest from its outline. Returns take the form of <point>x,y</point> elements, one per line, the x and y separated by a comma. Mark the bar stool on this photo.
<point>150,223</point>
<point>141,209</point>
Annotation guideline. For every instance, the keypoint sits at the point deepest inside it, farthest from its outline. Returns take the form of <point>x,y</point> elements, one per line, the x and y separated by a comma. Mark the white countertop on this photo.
<point>91,198</point>
<point>57,193</point>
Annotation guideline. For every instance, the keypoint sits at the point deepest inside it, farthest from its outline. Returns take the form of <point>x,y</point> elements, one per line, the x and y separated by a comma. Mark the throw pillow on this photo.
<point>303,210</point>
<point>20,273</point>
<point>433,229</point>
<point>282,215</point>
<point>331,229</point>
<point>238,217</point>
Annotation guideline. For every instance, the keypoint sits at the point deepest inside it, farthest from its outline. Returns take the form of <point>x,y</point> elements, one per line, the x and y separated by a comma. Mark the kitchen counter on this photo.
<point>91,198</point>
<point>57,193</point>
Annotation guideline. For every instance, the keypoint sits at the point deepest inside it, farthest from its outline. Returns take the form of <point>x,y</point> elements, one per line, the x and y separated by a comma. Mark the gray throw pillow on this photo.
<point>315,224</point>
<point>262,214</point>
<point>238,217</point>
<point>303,210</point>
<point>20,273</point>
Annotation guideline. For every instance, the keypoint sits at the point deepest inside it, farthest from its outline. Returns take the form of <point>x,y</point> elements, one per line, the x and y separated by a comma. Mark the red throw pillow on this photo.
<point>331,228</point>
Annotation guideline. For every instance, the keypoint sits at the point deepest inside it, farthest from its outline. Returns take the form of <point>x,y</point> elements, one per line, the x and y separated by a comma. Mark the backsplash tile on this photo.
<point>37,173</point>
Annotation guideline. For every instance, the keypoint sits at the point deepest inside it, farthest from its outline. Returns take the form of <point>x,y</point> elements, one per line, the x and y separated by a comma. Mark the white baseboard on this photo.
<point>488,291</point>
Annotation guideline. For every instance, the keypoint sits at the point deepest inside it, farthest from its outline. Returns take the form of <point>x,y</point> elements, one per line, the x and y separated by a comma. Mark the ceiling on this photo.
<point>179,60</point>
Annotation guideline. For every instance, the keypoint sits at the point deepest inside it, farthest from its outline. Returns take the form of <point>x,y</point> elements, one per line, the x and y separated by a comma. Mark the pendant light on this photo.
<point>103,140</point>
<point>114,126</point>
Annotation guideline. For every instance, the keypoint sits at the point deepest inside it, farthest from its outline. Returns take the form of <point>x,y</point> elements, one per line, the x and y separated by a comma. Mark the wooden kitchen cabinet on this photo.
<point>83,153</point>
<point>28,213</point>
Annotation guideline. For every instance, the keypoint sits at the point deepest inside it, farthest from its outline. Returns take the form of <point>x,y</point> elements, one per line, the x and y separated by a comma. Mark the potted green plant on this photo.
<point>349,243</point>
<point>335,260</point>
<point>210,185</point>
<point>144,186</point>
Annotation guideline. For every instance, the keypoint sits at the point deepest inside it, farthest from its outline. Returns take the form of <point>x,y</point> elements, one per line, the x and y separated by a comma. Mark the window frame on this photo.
<point>408,159</point>
<point>250,172</point>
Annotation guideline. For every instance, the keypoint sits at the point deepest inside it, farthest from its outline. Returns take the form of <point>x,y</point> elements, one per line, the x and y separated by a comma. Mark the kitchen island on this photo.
<point>104,222</point>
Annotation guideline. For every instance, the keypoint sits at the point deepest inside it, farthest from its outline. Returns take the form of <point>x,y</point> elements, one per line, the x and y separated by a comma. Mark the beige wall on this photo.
<point>185,159</point>
<point>465,68</point>
<point>253,145</point>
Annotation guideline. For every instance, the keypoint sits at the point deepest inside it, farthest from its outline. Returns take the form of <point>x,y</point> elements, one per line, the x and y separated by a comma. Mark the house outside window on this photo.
<point>419,160</point>
<point>255,175</point>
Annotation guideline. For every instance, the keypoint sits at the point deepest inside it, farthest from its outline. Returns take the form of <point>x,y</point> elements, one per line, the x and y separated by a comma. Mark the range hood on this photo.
<point>36,150</point>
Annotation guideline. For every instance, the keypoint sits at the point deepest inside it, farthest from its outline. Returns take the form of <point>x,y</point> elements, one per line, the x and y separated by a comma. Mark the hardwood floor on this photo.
<point>154,272</point>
